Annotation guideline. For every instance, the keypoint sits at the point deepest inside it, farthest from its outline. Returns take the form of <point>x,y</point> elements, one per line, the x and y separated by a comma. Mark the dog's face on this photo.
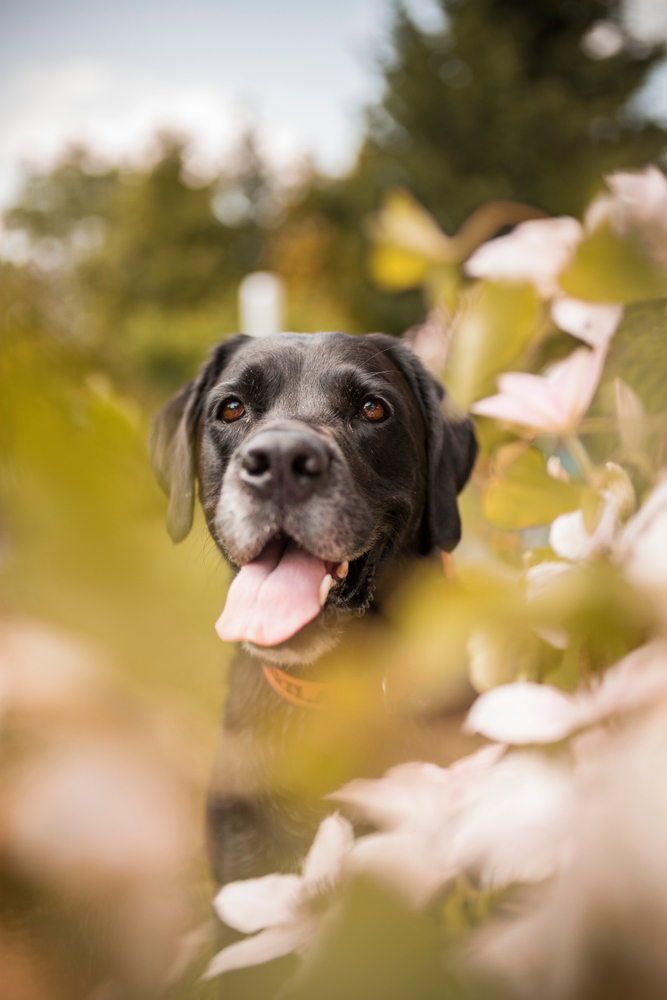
<point>318,456</point>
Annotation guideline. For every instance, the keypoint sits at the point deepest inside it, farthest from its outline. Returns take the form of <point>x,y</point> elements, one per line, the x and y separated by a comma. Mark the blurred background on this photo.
<point>152,156</point>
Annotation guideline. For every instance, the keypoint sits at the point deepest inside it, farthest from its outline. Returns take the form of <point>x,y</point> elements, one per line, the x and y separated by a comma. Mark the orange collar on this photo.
<point>315,694</point>
<point>307,694</point>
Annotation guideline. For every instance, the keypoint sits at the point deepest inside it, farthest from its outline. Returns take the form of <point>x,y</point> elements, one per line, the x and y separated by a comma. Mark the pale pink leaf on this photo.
<point>330,848</point>
<point>406,860</point>
<point>515,826</point>
<point>642,546</point>
<point>404,793</point>
<point>254,903</point>
<point>511,410</point>
<point>574,382</point>
<point>534,393</point>
<point>535,251</point>
<point>594,322</point>
<point>264,947</point>
<point>523,713</point>
<point>570,538</point>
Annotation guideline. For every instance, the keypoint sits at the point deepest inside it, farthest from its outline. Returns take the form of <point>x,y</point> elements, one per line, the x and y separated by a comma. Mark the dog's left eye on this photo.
<point>231,410</point>
<point>373,409</point>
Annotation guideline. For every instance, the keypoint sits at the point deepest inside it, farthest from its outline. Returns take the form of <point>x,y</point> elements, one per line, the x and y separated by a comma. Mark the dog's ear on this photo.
<point>451,449</point>
<point>172,442</point>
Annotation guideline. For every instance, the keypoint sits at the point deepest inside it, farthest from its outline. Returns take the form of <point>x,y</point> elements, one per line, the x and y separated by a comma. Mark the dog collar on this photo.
<point>297,690</point>
<point>315,694</point>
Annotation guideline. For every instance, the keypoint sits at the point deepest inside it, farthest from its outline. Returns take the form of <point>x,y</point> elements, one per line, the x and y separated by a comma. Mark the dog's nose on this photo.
<point>295,461</point>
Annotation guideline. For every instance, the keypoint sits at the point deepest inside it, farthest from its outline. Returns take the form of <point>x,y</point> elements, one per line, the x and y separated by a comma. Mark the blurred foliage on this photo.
<point>553,585</point>
<point>505,103</point>
<point>521,494</point>
<point>376,948</point>
<point>637,353</point>
<point>83,546</point>
<point>146,268</point>
<point>84,523</point>
<point>132,274</point>
<point>502,103</point>
<point>147,260</point>
<point>494,330</point>
<point>608,269</point>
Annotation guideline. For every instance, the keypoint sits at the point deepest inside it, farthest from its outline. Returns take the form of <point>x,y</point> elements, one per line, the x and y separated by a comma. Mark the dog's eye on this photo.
<point>372,409</point>
<point>231,410</point>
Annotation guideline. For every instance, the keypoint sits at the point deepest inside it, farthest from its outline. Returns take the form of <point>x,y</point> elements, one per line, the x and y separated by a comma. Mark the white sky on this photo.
<point>111,73</point>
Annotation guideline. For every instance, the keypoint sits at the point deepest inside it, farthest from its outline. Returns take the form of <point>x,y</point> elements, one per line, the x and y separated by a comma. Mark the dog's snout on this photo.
<point>309,461</point>
<point>256,462</point>
<point>295,462</point>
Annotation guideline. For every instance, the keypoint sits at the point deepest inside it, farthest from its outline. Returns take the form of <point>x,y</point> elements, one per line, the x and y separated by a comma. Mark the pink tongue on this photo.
<point>272,597</point>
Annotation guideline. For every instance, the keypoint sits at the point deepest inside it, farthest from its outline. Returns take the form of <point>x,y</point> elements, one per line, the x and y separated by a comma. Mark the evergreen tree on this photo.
<point>505,102</point>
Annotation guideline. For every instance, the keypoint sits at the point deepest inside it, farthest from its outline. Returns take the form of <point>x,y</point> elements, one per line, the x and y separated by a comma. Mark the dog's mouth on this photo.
<point>274,595</point>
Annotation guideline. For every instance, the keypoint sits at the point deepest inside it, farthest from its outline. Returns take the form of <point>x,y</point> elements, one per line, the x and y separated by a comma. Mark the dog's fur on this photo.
<point>389,493</point>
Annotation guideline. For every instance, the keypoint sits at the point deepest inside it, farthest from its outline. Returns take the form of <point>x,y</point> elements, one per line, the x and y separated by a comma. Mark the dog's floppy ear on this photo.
<point>173,439</point>
<point>451,450</point>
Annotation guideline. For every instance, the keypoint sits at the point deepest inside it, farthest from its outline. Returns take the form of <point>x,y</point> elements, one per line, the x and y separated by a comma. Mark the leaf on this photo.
<point>375,948</point>
<point>630,415</point>
<point>495,326</point>
<point>524,495</point>
<point>637,354</point>
<point>604,617</point>
<point>607,269</point>
<point>442,287</point>
<point>403,223</point>
<point>396,269</point>
<point>615,479</point>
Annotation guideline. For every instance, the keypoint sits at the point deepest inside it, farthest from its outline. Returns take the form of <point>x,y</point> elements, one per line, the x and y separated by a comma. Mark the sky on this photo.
<point>299,71</point>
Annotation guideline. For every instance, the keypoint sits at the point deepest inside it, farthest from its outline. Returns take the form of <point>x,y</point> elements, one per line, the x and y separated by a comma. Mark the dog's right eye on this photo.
<point>231,410</point>
<point>373,410</point>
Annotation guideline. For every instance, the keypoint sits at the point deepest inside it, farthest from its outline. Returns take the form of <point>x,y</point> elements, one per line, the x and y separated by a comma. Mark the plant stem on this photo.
<point>581,457</point>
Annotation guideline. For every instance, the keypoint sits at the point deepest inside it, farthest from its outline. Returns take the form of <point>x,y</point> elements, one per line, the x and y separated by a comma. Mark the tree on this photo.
<point>506,102</point>
<point>150,258</point>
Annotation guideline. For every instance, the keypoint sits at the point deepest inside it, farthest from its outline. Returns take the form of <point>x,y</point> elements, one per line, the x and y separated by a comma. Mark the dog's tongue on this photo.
<point>273,597</point>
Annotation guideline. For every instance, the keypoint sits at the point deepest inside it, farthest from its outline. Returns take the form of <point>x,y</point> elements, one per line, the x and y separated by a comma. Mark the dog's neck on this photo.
<point>271,696</point>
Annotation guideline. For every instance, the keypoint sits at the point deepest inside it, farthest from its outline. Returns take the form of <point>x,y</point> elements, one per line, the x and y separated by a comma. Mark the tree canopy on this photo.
<point>510,100</point>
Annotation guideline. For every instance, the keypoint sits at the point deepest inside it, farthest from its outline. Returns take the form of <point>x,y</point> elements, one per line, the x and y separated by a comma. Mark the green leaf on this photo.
<point>442,286</point>
<point>524,495</point>
<point>396,269</point>
<point>602,614</point>
<point>376,949</point>
<point>607,269</point>
<point>402,222</point>
<point>497,323</point>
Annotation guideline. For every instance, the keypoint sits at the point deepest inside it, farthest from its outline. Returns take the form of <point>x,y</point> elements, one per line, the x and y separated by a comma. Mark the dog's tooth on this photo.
<point>325,587</point>
<point>341,569</point>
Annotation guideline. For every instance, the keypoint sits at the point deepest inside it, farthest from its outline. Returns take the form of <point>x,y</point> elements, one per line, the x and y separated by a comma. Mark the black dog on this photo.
<point>321,460</point>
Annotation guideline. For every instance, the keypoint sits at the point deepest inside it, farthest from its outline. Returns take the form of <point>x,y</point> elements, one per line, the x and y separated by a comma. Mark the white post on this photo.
<point>261,297</point>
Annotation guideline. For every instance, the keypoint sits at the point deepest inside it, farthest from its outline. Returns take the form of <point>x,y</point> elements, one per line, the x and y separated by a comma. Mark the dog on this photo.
<point>322,461</point>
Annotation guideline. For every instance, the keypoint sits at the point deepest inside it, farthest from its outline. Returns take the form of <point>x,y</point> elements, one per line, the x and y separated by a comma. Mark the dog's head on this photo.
<point>318,456</point>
